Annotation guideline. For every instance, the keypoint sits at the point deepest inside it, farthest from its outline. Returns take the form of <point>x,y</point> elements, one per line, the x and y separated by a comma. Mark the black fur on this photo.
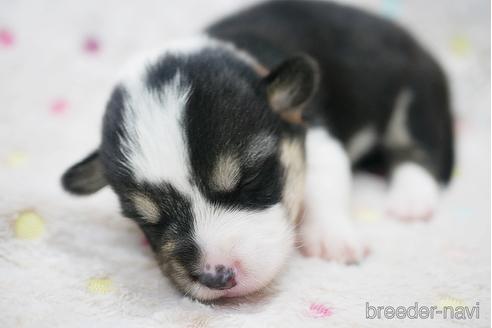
<point>220,117</point>
<point>365,62</point>
<point>85,177</point>
<point>298,77</point>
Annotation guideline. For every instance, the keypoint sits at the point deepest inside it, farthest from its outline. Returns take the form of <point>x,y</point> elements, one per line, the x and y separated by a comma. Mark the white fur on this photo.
<point>44,282</point>
<point>156,151</point>
<point>325,230</point>
<point>255,243</point>
<point>413,192</point>
<point>154,146</point>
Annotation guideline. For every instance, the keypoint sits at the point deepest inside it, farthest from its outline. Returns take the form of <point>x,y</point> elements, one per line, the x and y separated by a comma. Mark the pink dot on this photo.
<point>91,45</point>
<point>59,106</point>
<point>6,38</point>
<point>317,310</point>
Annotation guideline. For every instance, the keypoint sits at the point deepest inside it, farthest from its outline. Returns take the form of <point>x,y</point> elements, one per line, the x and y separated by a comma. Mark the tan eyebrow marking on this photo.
<point>226,173</point>
<point>293,159</point>
<point>147,208</point>
<point>261,146</point>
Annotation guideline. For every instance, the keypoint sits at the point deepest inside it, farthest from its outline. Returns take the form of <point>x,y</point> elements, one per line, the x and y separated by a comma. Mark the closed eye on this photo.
<point>261,186</point>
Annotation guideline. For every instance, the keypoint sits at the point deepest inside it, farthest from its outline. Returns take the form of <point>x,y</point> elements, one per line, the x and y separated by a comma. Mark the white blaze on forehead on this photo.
<point>154,144</point>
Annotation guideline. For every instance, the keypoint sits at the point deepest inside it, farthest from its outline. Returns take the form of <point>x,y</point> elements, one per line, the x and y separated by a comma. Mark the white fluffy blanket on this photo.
<point>75,262</point>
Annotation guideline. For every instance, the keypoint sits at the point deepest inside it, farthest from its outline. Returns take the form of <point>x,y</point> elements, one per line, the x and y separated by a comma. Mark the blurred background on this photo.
<point>59,59</point>
<point>58,62</point>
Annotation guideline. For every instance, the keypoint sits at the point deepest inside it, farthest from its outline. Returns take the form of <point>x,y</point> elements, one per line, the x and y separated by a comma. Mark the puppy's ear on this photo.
<point>291,85</point>
<point>85,177</point>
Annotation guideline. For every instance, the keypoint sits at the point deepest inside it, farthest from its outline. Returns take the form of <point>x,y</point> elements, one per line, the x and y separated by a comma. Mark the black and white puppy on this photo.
<point>228,147</point>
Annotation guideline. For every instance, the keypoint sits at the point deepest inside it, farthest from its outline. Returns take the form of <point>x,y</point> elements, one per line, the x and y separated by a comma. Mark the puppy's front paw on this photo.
<point>327,242</point>
<point>413,194</point>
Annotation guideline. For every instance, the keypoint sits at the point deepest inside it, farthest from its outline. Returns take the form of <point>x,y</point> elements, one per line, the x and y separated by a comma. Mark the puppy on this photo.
<point>228,147</point>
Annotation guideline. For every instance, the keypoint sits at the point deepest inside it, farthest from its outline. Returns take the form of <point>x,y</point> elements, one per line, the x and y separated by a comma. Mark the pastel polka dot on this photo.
<point>91,45</point>
<point>6,38</point>
<point>59,107</point>
<point>390,8</point>
<point>450,301</point>
<point>29,225</point>
<point>317,310</point>
<point>100,285</point>
<point>460,45</point>
<point>367,215</point>
<point>16,159</point>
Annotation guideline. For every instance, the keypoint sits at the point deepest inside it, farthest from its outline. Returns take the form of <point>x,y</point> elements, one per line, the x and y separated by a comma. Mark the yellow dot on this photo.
<point>450,301</point>
<point>367,215</point>
<point>456,172</point>
<point>100,285</point>
<point>16,159</point>
<point>460,45</point>
<point>29,225</point>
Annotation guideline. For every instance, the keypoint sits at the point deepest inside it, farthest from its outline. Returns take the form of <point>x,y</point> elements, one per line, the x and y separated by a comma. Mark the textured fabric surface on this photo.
<point>75,262</point>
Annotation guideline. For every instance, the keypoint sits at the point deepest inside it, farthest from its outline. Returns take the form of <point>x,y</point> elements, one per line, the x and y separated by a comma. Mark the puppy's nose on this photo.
<point>218,277</point>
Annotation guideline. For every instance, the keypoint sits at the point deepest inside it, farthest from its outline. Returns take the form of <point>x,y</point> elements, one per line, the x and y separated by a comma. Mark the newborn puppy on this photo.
<point>227,148</point>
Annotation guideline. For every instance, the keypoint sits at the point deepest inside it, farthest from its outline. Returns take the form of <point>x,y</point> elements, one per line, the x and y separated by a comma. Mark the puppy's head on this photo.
<point>207,156</point>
